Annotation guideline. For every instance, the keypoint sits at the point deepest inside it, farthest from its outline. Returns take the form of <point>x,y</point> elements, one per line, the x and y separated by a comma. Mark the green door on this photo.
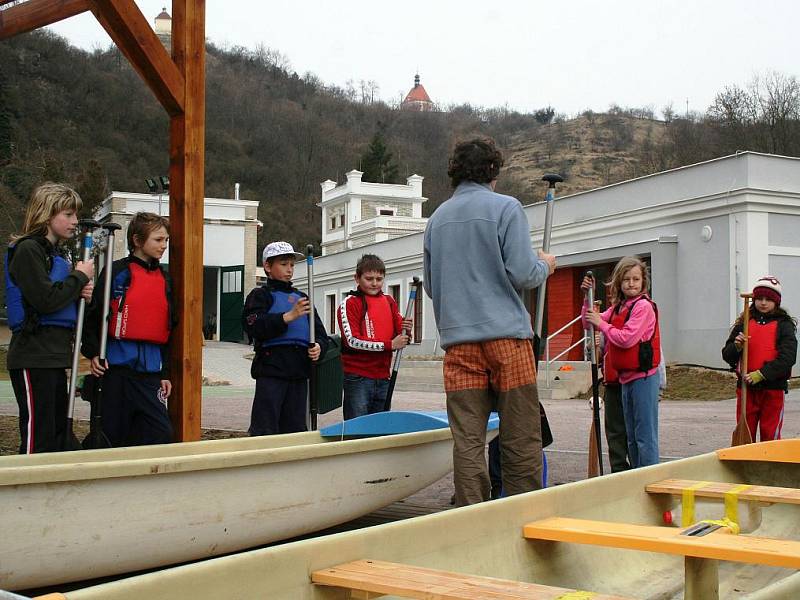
<point>231,301</point>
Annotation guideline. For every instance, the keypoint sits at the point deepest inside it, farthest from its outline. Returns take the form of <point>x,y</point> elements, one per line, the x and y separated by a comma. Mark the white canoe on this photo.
<point>487,540</point>
<point>77,515</point>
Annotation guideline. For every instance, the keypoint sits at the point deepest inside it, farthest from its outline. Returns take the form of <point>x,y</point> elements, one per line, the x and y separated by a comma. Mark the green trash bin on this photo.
<point>330,378</point>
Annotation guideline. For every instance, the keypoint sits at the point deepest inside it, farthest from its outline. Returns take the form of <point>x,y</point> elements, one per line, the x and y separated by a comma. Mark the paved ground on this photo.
<point>686,428</point>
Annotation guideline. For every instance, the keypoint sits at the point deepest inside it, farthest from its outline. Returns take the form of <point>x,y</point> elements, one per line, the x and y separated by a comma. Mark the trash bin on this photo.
<point>330,378</point>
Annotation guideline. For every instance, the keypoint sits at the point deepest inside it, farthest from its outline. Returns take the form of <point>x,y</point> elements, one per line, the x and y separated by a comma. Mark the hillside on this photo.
<point>86,118</point>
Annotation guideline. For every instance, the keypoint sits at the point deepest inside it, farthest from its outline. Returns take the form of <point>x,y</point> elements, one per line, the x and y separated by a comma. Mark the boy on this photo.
<point>275,316</point>
<point>372,327</point>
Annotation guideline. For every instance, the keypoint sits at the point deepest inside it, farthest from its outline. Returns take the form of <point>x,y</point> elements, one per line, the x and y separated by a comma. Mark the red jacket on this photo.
<point>368,325</point>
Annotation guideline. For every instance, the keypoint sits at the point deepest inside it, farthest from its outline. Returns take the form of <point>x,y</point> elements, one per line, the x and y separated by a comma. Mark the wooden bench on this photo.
<point>711,489</point>
<point>783,451</point>
<point>701,553</point>
<point>373,578</point>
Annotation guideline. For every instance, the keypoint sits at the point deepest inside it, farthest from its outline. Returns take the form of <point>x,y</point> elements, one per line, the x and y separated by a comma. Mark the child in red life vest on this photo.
<point>275,317</point>
<point>630,327</point>
<point>136,382</point>
<point>372,327</point>
<point>42,291</point>
<point>771,353</point>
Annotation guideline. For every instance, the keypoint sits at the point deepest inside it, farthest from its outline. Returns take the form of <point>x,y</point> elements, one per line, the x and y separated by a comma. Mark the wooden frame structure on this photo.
<point>178,82</point>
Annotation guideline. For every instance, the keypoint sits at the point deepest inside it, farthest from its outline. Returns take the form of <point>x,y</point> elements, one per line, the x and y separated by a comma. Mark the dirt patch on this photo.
<point>3,369</point>
<point>9,433</point>
<point>697,383</point>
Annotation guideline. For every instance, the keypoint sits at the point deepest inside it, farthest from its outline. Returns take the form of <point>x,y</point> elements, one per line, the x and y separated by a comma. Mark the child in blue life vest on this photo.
<point>42,290</point>
<point>372,327</point>
<point>771,354</point>
<point>276,317</point>
<point>630,327</point>
<point>136,382</point>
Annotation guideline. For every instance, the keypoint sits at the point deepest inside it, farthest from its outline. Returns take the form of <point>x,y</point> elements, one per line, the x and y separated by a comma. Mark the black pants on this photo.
<point>279,406</point>
<point>133,413</point>
<point>616,438</point>
<point>43,398</point>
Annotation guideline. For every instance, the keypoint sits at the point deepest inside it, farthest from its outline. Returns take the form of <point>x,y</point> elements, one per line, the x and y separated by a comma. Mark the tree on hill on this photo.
<point>378,163</point>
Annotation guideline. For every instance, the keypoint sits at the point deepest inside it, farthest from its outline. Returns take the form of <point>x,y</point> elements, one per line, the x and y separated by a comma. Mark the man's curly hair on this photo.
<point>477,160</point>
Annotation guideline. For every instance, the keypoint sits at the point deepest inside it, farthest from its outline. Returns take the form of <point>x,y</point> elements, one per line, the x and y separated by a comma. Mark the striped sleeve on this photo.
<point>351,321</point>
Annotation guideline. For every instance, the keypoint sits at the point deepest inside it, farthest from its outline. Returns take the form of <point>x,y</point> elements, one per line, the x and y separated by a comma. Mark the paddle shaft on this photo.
<point>99,439</point>
<point>541,293</point>
<point>742,435</point>
<point>87,242</point>
<point>398,354</point>
<point>313,409</point>
<point>595,390</point>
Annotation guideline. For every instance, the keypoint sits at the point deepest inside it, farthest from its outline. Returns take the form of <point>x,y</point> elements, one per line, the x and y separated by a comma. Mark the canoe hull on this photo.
<point>77,529</point>
<point>487,540</point>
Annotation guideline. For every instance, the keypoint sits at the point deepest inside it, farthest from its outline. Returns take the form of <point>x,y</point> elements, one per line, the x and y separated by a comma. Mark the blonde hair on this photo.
<point>47,200</point>
<point>623,266</point>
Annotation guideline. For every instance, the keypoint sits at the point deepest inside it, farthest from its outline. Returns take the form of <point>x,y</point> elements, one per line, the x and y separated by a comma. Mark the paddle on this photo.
<point>97,438</point>
<point>87,242</point>
<point>741,435</point>
<point>398,355</point>
<point>313,409</point>
<point>595,466</point>
<point>552,179</point>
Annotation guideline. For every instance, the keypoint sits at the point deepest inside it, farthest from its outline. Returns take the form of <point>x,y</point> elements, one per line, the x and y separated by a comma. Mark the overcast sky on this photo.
<point>571,54</point>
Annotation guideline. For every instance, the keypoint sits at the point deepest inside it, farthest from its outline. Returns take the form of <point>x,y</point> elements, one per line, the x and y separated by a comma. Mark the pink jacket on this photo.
<point>640,326</point>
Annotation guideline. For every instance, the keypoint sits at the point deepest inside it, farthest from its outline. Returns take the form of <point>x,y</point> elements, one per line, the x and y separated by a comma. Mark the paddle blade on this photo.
<point>741,435</point>
<point>593,470</point>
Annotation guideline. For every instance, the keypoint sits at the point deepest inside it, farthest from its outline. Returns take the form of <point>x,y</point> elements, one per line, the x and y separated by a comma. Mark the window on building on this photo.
<point>341,220</point>
<point>333,222</point>
<point>331,313</point>
<point>387,212</point>
<point>417,337</point>
<point>394,292</point>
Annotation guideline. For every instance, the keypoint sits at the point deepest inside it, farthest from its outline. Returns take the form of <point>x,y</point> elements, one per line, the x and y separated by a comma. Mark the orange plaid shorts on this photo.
<point>501,365</point>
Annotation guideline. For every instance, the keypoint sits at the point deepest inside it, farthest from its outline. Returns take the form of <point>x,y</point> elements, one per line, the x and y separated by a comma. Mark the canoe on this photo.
<point>77,515</point>
<point>603,535</point>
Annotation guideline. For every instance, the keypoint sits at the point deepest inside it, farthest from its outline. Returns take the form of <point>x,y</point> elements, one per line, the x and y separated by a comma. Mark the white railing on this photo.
<point>548,360</point>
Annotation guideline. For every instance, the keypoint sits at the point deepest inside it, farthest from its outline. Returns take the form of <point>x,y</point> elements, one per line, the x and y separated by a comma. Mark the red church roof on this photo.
<point>164,14</point>
<point>417,94</point>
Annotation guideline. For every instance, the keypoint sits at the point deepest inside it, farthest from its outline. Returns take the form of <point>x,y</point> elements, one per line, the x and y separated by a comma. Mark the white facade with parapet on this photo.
<point>358,213</point>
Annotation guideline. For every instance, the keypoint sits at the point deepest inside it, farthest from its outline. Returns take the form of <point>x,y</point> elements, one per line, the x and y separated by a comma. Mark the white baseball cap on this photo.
<point>279,249</point>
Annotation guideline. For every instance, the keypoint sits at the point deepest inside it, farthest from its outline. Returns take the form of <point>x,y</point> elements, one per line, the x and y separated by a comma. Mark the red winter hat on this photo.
<point>768,287</point>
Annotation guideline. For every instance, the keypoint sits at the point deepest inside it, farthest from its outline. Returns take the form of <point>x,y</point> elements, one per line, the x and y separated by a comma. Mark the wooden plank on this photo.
<point>783,451</point>
<point>186,194</point>
<point>132,34</point>
<point>380,577</point>
<point>713,489</point>
<point>37,13</point>
<point>720,545</point>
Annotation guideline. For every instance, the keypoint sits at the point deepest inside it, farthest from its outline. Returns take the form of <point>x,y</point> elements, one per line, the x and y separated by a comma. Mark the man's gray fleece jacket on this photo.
<point>478,259</point>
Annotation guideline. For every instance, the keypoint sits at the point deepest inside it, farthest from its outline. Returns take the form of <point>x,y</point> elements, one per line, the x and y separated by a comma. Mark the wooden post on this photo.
<point>186,193</point>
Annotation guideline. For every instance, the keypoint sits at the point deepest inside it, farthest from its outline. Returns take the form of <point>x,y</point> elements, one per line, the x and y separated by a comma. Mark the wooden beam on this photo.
<point>133,35</point>
<point>713,489</point>
<point>187,194</point>
<point>37,13</point>
<point>784,451</point>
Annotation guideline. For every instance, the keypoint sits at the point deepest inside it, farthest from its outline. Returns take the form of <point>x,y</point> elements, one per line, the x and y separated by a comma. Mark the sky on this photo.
<point>571,54</point>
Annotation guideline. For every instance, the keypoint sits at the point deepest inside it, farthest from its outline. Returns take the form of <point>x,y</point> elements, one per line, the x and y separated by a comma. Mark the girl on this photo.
<point>135,380</point>
<point>772,352</point>
<point>41,293</point>
<point>630,327</point>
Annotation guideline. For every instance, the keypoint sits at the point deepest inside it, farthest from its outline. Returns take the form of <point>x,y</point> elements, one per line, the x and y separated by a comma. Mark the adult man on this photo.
<point>478,259</point>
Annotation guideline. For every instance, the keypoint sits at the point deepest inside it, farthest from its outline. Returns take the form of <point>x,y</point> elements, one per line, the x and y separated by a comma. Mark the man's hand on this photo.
<point>314,352</point>
<point>301,308</point>
<point>97,367</point>
<point>550,259</point>
<point>401,341</point>
<point>166,388</point>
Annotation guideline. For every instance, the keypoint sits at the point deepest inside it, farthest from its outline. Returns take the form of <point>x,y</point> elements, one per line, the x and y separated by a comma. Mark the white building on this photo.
<point>359,213</point>
<point>230,227</point>
<point>708,231</point>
